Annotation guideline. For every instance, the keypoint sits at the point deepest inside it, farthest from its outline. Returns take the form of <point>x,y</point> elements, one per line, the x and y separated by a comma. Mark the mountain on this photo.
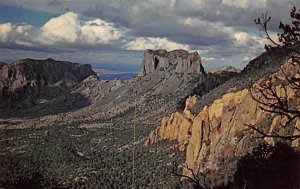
<point>2,64</point>
<point>180,60</point>
<point>156,93</point>
<point>213,133</point>
<point>173,115</point>
<point>26,77</point>
<point>226,69</point>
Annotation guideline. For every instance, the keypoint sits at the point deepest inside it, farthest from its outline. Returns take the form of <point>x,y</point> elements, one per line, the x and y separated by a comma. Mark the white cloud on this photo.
<point>142,43</point>
<point>99,31</point>
<point>250,40</point>
<point>207,58</point>
<point>206,28</point>
<point>69,29</point>
<point>19,34</point>
<point>245,39</point>
<point>64,29</point>
<point>5,29</point>
<point>245,3</point>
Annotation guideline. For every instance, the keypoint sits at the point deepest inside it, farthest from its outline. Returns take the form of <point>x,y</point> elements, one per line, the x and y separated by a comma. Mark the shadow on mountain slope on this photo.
<point>48,101</point>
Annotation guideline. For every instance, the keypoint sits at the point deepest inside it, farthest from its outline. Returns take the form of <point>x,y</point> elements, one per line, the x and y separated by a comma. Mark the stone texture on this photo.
<point>156,95</point>
<point>179,60</point>
<point>226,69</point>
<point>28,75</point>
<point>2,64</point>
<point>218,134</point>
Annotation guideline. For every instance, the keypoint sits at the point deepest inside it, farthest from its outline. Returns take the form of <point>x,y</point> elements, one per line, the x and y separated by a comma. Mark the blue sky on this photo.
<point>115,32</point>
<point>19,14</point>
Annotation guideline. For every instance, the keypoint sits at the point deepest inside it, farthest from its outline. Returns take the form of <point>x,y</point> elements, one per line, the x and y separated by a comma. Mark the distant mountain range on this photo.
<point>105,74</point>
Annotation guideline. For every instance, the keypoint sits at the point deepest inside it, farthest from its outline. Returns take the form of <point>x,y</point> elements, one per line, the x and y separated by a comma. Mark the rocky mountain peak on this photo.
<point>226,69</point>
<point>179,60</point>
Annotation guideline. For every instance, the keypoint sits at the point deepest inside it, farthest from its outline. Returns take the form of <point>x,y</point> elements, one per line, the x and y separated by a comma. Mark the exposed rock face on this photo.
<point>29,75</point>
<point>226,69</point>
<point>180,60</point>
<point>217,134</point>
<point>2,64</point>
<point>156,95</point>
<point>212,137</point>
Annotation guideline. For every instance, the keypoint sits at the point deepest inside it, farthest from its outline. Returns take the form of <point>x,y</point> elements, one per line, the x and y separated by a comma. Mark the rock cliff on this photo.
<point>226,69</point>
<point>28,76</point>
<point>2,64</point>
<point>217,136</point>
<point>209,126</point>
<point>156,94</point>
<point>179,60</point>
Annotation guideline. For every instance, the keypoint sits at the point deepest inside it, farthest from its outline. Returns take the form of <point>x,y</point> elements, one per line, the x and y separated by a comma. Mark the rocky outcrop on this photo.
<point>217,134</point>
<point>2,64</point>
<point>179,60</point>
<point>92,99</point>
<point>226,69</point>
<point>28,76</point>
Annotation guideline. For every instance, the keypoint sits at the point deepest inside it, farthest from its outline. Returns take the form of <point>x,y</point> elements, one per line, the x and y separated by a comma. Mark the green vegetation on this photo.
<point>74,157</point>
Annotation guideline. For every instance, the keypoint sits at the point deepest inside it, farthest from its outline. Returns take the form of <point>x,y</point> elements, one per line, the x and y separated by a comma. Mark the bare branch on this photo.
<point>273,135</point>
<point>194,178</point>
<point>263,23</point>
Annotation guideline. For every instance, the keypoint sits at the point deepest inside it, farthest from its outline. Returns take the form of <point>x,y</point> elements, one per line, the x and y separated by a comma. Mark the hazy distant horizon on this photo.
<point>114,62</point>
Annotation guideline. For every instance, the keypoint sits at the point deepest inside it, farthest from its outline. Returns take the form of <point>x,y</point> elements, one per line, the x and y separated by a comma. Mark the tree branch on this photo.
<point>274,135</point>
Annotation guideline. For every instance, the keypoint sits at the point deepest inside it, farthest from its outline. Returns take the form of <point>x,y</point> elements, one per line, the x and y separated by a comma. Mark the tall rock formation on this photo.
<point>180,60</point>
<point>26,75</point>
<point>216,137</point>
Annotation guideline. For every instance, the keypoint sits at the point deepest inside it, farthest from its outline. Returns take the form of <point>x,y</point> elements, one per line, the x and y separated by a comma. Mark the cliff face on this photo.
<point>217,134</point>
<point>180,60</point>
<point>29,75</point>
<point>226,69</point>
<point>2,64</point>
<point>156,93</point>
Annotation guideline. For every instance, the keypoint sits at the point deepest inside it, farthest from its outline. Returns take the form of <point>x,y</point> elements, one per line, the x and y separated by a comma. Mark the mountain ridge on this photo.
<point>203,113</point>
<point>212,133</point>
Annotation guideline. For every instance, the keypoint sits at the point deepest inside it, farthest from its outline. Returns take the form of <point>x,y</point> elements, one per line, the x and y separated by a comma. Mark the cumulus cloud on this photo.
<point>64,29</point>
<point>206,28</point>
<point>244,39</point>
<point>22,34</point>
<point>99,31</point>
<point>142,43</point>
<point>222,29</point>
<point>5,29</point>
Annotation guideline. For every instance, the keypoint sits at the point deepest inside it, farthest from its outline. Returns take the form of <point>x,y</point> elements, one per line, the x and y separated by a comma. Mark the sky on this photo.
<point>114,33</point>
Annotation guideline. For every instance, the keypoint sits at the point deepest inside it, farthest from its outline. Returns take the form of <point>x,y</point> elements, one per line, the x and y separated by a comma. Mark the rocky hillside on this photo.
<point>2,64</point>
<point>226,69</point>
<point>212,132</point>
<point>27,77</point>
<point>156,92</point>
<point>89,121</point>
